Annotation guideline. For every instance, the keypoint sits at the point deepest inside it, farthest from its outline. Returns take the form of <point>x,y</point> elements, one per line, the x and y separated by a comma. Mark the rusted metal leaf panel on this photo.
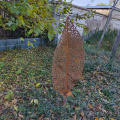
<point>68,61</point>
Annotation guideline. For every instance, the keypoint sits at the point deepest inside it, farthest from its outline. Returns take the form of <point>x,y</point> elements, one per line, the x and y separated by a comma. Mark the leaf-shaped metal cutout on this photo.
<point>68,61</point>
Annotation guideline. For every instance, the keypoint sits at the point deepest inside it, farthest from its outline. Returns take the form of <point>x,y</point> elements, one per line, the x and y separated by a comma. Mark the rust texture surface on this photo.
<point>68,60</point>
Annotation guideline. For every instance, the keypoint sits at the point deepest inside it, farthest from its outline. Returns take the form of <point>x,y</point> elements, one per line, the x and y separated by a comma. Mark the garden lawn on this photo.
<point>26,91</point>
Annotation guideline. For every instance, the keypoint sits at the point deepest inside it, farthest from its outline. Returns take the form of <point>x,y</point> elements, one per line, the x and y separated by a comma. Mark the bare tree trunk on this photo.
<point>55,39</point>
<point>114,49</point>
<point>56,35</point>
<point>107,23</point>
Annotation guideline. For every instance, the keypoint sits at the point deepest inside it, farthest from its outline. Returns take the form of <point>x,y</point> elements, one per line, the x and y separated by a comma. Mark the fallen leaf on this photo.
<point>1,94</point>
<point>21,116</point>
<point>14,101</point>
<point>50,110</point>
<point>90,105</point>
<point>48,80</point>
<point>7,104</point>
<point>105,101</point>
<point>103,110</point>
<point>101,119</point>
<point>31,101</point>
<point>41,117</point>
<point>101,94</point>
<point>36,101</point>
<point>82,114</point>
<point>77,108</point>
<point>15,107</point>
<point>112,119</point>
<point>91,114</point>
<point>96,119</point>
<point>2,59</point>
<point>37,84</point>
<point>47,119</point>
<point>74,117</point>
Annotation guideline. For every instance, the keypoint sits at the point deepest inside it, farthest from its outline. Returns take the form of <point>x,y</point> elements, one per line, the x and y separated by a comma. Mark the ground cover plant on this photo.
<point>108,39</point>
<point>26,91</point>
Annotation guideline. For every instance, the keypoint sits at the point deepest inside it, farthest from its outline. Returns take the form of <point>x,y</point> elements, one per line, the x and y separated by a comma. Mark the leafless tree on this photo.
<point>107,23</point>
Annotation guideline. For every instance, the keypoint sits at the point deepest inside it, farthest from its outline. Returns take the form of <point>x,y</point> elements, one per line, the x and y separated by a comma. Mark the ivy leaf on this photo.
<point>18,72</point>
<point>13,27</point>
<point>21,39</point>
<point>29,12</point>
<point>37,31</point>
<point>22,21</point>
<point>28,43</point>
<point>9,23</point>
<point>13,19</point>
<point>34,40</point>
<point>59,30</point>
<point>18,22</point>
<point>2,64</point>
<point>9,94</point>
<point>32,45</point>
<point>50,36</point>
<point>31,30</point>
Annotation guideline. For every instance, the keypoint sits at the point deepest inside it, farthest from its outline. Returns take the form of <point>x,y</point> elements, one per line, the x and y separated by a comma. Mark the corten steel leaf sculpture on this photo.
<point>68,61</point>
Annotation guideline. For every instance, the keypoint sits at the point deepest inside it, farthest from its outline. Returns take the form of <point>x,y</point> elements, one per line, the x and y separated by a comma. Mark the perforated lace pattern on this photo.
<point>69,58</point>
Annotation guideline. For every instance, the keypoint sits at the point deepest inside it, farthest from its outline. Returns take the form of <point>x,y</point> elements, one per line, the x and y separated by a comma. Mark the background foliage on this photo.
<point>37,17</point>
<point>108,39</point>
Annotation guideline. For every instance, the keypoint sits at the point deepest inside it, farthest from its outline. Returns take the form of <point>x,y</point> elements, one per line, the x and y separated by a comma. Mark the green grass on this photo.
<point>96,96</point>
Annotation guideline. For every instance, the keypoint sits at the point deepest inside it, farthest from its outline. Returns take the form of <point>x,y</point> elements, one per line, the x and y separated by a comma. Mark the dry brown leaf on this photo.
<point>47,119</point>
<point>7,104</point>
<point>90,105</point>
<point>41,117</point>
<point>74,117</point>
<point>112,119</point>
<point>14,101</point>
<point>21,116</point>
<point>82,114</point>
<point>96,119</point>
<point>103,110</point>
<point>101,119</point>
<point>68,60</point>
